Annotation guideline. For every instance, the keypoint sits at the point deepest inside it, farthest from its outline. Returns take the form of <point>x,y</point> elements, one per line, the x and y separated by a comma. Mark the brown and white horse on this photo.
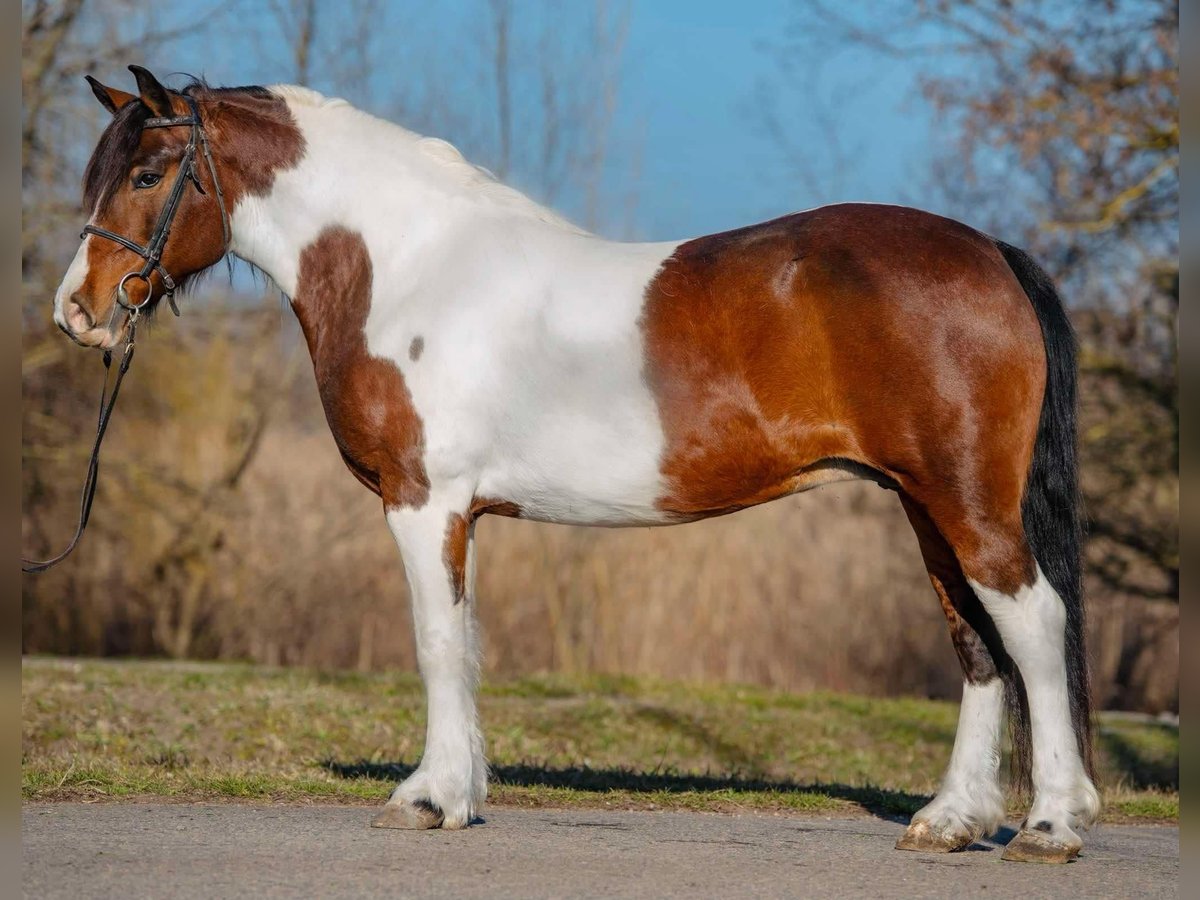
<point>476,354</point>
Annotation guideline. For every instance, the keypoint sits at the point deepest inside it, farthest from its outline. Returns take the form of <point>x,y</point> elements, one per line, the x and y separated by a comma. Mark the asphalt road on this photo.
<point>162,850</point>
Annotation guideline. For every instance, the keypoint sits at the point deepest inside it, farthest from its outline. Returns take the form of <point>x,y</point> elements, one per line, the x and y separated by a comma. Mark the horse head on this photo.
<point>150,178</point>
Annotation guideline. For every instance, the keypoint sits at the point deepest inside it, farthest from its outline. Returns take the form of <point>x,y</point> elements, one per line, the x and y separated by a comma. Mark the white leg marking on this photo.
<point>452,774</point>
<point>1031,625</point>
<point>970,804</point>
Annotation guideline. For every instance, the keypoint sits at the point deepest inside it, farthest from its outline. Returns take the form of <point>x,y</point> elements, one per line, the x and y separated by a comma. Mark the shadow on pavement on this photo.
<point>888,804</point>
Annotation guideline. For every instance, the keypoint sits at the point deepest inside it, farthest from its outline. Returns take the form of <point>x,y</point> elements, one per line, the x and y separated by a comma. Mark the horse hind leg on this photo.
<point>1029,618</point>
<point>969,803</point>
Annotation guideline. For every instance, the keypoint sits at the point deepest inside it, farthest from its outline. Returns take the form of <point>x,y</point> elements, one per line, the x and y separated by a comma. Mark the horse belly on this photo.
<point>581,446</point>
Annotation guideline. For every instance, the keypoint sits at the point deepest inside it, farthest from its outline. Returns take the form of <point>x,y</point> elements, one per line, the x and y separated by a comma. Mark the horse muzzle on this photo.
<point>77,323</point>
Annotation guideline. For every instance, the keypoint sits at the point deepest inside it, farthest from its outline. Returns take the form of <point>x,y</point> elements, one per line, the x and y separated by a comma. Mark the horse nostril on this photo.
<point>78,317</point>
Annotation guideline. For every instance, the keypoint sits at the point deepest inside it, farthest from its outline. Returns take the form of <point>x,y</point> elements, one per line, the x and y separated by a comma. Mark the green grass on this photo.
<point>104,729</point>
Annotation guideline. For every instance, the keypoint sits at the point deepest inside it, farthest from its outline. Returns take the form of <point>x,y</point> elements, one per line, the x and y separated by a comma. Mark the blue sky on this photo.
<point>694,74</point>
<point>689,110</point>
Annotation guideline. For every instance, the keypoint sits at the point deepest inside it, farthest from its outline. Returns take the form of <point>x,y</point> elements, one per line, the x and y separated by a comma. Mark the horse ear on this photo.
<point>154,95</point>
<point>110,98</point>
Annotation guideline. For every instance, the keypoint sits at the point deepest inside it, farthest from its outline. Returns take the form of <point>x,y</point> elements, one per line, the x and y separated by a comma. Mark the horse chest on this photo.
<point>367,403</point>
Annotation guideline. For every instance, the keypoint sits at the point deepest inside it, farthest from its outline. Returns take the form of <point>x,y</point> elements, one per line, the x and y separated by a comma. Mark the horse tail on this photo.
<point>1051,508</point>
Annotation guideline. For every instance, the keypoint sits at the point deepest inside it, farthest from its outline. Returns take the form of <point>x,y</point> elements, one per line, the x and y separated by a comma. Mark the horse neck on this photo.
<point>402,192</point>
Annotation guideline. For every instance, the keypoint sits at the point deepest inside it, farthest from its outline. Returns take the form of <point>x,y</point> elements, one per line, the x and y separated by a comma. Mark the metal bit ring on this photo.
<point>123,295</point>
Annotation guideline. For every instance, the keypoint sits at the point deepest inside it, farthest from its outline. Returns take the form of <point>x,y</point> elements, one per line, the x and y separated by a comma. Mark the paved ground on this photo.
<point>142,850</point>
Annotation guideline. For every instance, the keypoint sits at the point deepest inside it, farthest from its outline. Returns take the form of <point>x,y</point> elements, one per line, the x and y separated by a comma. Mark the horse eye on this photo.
<point>147,179</point>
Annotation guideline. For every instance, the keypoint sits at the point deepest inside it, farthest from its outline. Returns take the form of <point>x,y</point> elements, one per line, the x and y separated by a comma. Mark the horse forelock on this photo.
<point>113,155</point>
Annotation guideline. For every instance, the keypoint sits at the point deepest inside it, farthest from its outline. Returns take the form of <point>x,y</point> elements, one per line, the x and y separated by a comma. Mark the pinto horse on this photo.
<point>477,354</point>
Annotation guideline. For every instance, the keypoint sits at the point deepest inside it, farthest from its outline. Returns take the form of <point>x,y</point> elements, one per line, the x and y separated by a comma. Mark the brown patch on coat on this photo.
<point>252,136</point>
<point>367,403</point>
<point>497,507</point>
<point>883,336</point>
<point>454,553</point>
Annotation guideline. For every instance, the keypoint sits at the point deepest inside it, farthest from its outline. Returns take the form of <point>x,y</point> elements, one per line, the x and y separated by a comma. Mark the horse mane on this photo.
<point>110,161</point>
<point>445,156</point>
<point>476,178</point>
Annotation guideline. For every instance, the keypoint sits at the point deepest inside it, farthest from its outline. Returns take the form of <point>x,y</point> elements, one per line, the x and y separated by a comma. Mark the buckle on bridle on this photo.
<point>194,176</point>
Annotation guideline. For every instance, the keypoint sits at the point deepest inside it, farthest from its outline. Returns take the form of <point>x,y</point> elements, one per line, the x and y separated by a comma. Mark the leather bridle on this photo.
<point>153,249</point>
<point>152,254</point>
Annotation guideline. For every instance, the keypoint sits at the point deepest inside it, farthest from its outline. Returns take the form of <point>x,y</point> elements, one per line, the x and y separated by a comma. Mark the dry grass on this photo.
<point>100,729</point>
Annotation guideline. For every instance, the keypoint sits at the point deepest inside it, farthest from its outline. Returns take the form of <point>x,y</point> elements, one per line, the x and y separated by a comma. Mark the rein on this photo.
<point>107,402</point>
<point>151,252</point>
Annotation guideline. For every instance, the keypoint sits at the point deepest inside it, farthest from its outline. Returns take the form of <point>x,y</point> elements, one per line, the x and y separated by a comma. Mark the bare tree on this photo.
<point>561,146</point>
<point>1063,115</point>
<point>502,70</point>
<point>298,23</point>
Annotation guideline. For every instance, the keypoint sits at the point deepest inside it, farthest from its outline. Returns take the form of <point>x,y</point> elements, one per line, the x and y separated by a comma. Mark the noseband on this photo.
<point>152,254</point>
<point>153,249</point>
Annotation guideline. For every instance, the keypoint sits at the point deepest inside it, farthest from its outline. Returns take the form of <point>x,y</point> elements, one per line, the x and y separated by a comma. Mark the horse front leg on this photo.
<point>448,788</point>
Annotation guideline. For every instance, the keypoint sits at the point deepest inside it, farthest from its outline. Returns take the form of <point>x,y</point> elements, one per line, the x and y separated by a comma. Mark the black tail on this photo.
<point>1050,509</point>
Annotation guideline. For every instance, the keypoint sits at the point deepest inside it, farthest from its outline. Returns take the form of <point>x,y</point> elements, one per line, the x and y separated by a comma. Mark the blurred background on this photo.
<point>226,525</point>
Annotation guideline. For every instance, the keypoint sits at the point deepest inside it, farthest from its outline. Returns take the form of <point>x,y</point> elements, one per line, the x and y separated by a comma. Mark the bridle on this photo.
<point>153,250</point>
<point>152,254</point>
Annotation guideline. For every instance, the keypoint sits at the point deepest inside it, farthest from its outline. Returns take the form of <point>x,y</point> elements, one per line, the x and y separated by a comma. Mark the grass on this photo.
<point>110,730</point>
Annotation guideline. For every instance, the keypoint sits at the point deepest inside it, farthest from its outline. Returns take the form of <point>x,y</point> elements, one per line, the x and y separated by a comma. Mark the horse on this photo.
<point>477,354</point>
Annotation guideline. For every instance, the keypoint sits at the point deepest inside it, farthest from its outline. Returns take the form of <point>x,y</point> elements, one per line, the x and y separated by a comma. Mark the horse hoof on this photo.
<point>1033,846</point>
<point>420,816</point>
<point>920,837</point>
